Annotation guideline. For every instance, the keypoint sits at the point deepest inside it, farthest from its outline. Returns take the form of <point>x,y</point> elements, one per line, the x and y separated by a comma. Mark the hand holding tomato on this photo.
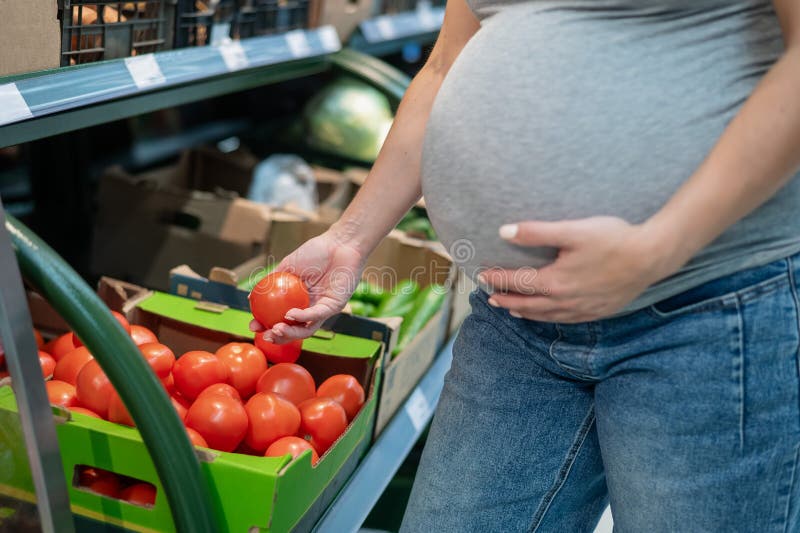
<point>329,267</point>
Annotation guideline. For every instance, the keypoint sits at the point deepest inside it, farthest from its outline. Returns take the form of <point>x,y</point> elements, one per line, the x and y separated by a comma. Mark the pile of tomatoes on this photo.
<point>244,398</point>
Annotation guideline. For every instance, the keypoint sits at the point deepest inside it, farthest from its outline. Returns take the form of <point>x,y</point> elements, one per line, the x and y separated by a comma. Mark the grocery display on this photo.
<point>154,380</point>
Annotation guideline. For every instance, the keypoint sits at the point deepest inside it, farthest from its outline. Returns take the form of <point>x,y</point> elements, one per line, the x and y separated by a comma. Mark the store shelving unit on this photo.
<point>39,105</point>
<point>388,34</point>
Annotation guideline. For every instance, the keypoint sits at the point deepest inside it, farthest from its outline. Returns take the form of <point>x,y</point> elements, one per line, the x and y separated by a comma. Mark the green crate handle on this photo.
<point>186,488</point>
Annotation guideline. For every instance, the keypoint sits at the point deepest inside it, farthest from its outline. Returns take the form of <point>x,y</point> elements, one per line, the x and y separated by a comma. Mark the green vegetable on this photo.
<point>250,281</point>
<point>427,303</point>
<point>405,291</point>
<point>418,226</point>
<point>349,118</point>
<point>369,293</point>
<point>360,308</point>
<point>403,310</point>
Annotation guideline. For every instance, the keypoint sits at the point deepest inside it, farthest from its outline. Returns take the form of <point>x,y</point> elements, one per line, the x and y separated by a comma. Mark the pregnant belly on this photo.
<point>561,119</point>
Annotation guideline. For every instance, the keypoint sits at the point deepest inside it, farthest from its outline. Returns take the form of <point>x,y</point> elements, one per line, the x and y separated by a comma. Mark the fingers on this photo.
<point>526,280</point>
<point>537,233</point>
<point>316,313</point>
<point>256,326</point>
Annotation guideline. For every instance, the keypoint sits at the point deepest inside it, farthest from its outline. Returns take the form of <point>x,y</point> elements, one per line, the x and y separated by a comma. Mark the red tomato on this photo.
<point>293,446</point>
<point>322,420</point>
<point>194,371</point>
<point>345,390</point>
<point>246,450</point>
<point>107,485</point>
<point>279,353</point>
<point>47,363</point>
<point>68,367</point>
<point>117,412</point>
<point>275,295</point>
<point>221,388</point>
<point>60,346</point>
<point>220,420</point>
<point>39,338</point>
<point>61,393</point>
<point>94,388</point>
<point>142,335</point>
<point>4,374</point>
<point>140,493</point>
<point>196,438</point>
<point>84,411</point>
<point>159,357</point>
<point>289,380</point>
<point>245,363</point>
<point>122,322</point>
<point>271,417</point>
<point>181,407</point>
<point>169,384</point>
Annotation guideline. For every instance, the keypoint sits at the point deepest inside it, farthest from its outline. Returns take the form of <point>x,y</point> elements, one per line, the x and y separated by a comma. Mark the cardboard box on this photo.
<point>250,493</point>
<point>30,37</point>
<point>344,15</point>
<point>396,258</point>
<point>190,212</point>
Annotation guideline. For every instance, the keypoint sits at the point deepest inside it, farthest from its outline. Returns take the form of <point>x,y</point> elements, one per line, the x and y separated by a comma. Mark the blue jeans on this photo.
<point>684,416</point>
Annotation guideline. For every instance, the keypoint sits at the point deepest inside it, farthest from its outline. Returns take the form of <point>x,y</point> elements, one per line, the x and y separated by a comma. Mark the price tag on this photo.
<point>385,28</point>
<point>298,43</point>
<point>329,39</point>
<point>234,55</point>
<point>220,33</point>
<point>13,106</point>
<point>418,409</point>
<point>145,71</point>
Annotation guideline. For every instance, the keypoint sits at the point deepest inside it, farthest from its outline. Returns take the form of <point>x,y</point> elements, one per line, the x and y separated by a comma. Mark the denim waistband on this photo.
<point>728,284</point>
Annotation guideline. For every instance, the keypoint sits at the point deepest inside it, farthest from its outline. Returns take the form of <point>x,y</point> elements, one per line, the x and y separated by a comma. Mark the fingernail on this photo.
<point>277,333</point>
<point>267,337</point>
<point>493,302</point>
<point>515,314</point>
<point>288,317</point>
<point>509,231</point>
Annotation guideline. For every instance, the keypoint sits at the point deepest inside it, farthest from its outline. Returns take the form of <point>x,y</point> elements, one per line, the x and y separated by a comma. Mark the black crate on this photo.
<point>264,17</point>
<point>196,18</point>
<point>94,30</point>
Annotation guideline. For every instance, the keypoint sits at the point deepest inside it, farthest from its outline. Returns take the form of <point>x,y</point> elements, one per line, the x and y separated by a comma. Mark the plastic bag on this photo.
<point>283,179</point>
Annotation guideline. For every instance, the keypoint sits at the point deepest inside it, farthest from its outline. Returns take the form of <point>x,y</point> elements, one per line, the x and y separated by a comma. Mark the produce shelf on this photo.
<point>357,498</point>
<point>43,104</point>
<point>388,34</point>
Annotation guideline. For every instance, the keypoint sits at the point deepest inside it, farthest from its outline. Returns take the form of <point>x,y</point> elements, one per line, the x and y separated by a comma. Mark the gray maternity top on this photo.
<point>561,109</point>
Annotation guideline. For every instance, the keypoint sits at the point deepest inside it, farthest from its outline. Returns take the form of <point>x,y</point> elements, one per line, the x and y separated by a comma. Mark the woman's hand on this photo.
<point>603,264</point>
<point>330,269</point>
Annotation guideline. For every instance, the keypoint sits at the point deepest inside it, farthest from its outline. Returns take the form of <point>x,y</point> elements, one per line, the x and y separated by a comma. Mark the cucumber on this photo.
<point>418,227</point>
<point>369,293</point>
<point>405,291</point>
<point>427,303</point>
<point>357,307</point>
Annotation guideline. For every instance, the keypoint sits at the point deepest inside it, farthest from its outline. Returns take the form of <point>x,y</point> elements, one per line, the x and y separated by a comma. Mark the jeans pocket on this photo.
<point>723,292</point>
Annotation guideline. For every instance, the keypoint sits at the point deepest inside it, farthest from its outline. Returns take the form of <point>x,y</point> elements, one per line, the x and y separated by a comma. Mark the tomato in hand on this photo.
<point>271,417</point>
<point>84,411</point>
<point>322,420</point>
<point>293,446</point>
<point>279,353</point>
<point>142,335</point>
<point>220,420</point>
<point>117,412</point>
<point>47,363</point>
<point>139,493</point>
<point>68,367</point>
<point>289,380</point>
<point>194,371</point>
<point>275,295</point>
<point>159,357</point>
<point>346,391</point>
<point>122,322</point>
<point>94,389</point>
<point>61,393</point>
<point>221,388</point>
<point>245,364</point>
<point>60,346</point>
<point>196,438</point>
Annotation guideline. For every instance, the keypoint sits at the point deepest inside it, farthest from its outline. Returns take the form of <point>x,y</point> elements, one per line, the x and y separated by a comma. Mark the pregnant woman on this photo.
<point>620,178</point>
